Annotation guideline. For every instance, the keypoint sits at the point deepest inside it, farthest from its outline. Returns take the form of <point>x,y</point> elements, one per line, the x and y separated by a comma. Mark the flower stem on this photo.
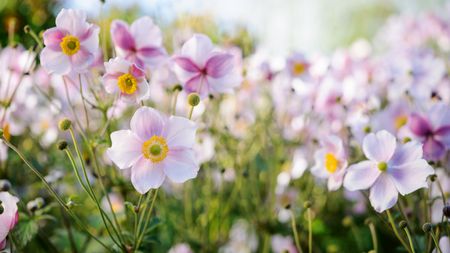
<point>373,232</point>
<point>310,241</point>
<point>294,230</point>
<point>391,220</point>
<point>147,220</point>
<point>436,243</point>
<point>409,239</point>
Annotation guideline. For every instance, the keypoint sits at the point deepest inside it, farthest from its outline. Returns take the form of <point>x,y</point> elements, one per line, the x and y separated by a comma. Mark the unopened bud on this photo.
<point>35,204</point>
<point>402,224</point>
<point>177,88</point>
<point>26,29</point>
<point>5,185</point>
<point>433,177</point>
<point>367,129</point>
<point>446,210</point>
<point>406,139</point>
<point>307,204</point>
<point>193,99</point>
<point>427,227</point>
<point>65,124</point>
<point>62,145</point>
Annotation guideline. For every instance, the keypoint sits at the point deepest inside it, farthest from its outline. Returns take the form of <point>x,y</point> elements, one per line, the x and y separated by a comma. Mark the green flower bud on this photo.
<point>177,88</point>
<point>347,221</point>
<point>65,124</point>
<point>402,224</point>
<point>62,145</point>
<point>307,204</point>
<point>427,227</point>
<point>193,99</point>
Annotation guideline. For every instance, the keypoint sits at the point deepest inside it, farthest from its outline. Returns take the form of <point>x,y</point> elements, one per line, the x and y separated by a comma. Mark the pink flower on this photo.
<point>125,78</point>
<point>391,169</point>
<point>331,162</point>
<point>9,216</point>
<point>283,244</point>
<point>156,146</point>
<point>71,45</point>
<point>140,43</point>
<point>202,69</point>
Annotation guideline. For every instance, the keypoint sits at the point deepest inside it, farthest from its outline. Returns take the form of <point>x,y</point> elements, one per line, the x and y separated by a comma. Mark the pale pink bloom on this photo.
<point>156,147</point>
<point>283,244</point>
<point>203,69</point>
<point>70,47</point>
<point>331,162</point>
<point>117,203</point>
<point>444,245</point>
<point>391,169</point>
<point>9,217</point>
<point>180,248</point>
<point>126,79</point>
<point>140,43</point>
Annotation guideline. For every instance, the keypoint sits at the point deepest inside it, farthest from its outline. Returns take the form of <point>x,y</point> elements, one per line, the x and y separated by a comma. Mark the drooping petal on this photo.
<point>147,122</point>
<point>411,176</point>
<point>146,33</point>
<point>180,165</point>
<point>125,150</point>
<point>361,176</point>
<point>136,71</point>
<point>146,175</point>
<point>380,146</point>
<point>180,132</point>
<point>73,21</point>
<point>406,153</point>
<point>198,49</point>
<point>197,84</point>
<point>55,62</point>
<point>121,36</point>
<point>433,149</point>
<point>419,125</point>
<point>383,194</point>
<point>219,65</point>
<point>53,37</point>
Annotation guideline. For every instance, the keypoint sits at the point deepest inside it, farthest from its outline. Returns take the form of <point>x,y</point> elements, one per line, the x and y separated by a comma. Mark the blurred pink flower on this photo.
<point>205,70</point>
<point>125,78</point>
<point>391,169</point>
<point>156,146</point>
<point>283,244</point>
<point>70,47</point>
<point>140,43</point>
<point>9,216</point>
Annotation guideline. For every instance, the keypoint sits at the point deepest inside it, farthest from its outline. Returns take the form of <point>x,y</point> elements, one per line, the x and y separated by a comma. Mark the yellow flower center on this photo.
<point>382,166</point>
<point>155,149</point>
<point>70,45</point>
<point>331,163</point>
<point>400,121</point>
<point>127,83</point>
<point>298,68</point>
<point>6,132</point>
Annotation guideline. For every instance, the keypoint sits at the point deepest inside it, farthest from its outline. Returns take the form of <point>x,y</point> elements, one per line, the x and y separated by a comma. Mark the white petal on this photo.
<point>73,21</point>
<point>146,33</point>
<point>411,176</point>
<point>180,132</point>
<point>198,48</point>
<point>380,146</point>
<point>117,66</point>
<point>126,148</point>
<point>91,42</point>
<point>361,175</point>
<point>406,153</point>
<point>383,194</point>
<point>145,175</point>
<point>147,122</point>
<point>55,62</point>
<point>180,165</point>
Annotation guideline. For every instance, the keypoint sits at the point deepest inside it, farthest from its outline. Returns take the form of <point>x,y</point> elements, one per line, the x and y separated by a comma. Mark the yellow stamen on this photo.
<point>127,83</point>
<point>6,132</point>
<point>70,45</point>
<point>331,163</point>
<point>155,149</point>
<point>400,121</point>
<point>298,68</point>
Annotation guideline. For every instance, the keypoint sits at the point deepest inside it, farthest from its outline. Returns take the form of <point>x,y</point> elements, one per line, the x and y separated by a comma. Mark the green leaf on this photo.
<point>25,231</point>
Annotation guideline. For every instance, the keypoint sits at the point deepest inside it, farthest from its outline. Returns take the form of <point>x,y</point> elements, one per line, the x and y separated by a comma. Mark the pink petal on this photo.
<point>197,84</point>
<point>411,151</point>
<point>198,49</point>
<point>73,21</point>
<point>110,82</point>
<point>361,176</point>
<point>180,132</point>
<point>146,33</point>
<point>433,149</point>
<point>117,66</point>
<point>380,146</point>
<point>439,115</point>
<point>224,84</point>
<point>55,62</point>
<point>82,60</point>
<point>419,125</point>
<point>136,71</point>
<point>147,122</point>
<point>145,175</point>
<point>383,194</point>
<point>186,64</point>
<point>90,39</point>
<point>219,65</point>
<point>125,150</point>
<point>335,180</point>
<point>180,165</point>
<point>121,36</point>
<point>411,176</point>
<point>53,37</point>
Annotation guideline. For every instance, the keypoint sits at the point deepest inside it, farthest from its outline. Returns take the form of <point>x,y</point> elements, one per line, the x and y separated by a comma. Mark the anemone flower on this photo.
<point>391,169</point>
<point>156,146</point>
<point>8,217</point>
<point>71,45</point>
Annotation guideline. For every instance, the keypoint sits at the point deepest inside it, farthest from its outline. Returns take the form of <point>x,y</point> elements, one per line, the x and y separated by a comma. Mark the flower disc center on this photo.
<point>127,83</point>
<point>331,163</point>
<point>70,45</point>
<point>155,149</point>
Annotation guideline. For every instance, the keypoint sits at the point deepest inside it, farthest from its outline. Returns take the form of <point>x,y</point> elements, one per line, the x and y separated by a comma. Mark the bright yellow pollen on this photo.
<point>127,83</point>
<point>331,163</point>
<point>155,149</point>
<point>6,132</point>
<point>400,121</point>
<point>298,68</point>
<point>70,45</point>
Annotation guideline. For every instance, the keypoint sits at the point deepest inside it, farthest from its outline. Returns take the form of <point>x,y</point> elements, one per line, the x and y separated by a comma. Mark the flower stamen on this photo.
<point>331,163</point>
<point>127,83</point>
<point>70,45</point>
<point>155,149</point>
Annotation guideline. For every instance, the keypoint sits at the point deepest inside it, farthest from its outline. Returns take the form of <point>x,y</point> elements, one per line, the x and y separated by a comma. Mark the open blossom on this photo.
<point>156,146</point>
<point>433,130</point>
<point>125,78</point>
<point>71,45</point>
<point>297,65</point>
<point>391,169</point>
<point>9,216</point>
<point>203,69</point>
<point>140,43</point>
<point>283,244</point>
<point>331,162</point>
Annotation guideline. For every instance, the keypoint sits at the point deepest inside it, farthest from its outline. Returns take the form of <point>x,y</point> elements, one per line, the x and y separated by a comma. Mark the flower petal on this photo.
<point>73,21</point>
<point>117,66</point>
<point>146,33</point>
<point>439,115</point>
<point>219,65</point>
<point>361,176</point>
<point>406,153</point>
<point>125,150</point>
<point>180,132</point>
<point>198,49</point>
<point>90,39</point>
<point>411,176</point>
<point>82,60</point>
<point>145,175</point>
<point>53,37</point>
<point>419,125</point>
<point>380,146</point>
<point>147,122</point>
<point>433,149</point>
<point>180,165</point>
<point>186,64</point>
<point>55,62</point>
<point>121,36</point>
<point>383,194</point>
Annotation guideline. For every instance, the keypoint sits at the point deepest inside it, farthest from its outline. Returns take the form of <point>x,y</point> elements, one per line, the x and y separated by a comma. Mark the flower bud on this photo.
<point>368,221</point>
<point>65,124</point>
<point>347,221</point>
<point>433,177</point>
<point>1,132</point>
<point>193,99</point>
<point>407,139</point>
<point>35,204</point>
<point>26,29</point>
<point>5,185</point>
<point>427,227</point>
<point>446,211</point>
<point>402,224</point>
<point>307,204</point>
<point>177,88</point>
<point>62,145</point>
<point>367,129</point>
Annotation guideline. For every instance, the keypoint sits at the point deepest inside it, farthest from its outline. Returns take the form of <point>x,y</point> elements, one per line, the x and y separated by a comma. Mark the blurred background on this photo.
<point>278,26</point>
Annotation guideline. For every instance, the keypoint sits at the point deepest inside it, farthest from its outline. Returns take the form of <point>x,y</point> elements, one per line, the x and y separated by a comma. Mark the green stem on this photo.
<point>294,230</point>
<point>310,241</point>
<point>373,232</point>
<point>391,220</point>
<point>147,220</point>
<point>409,239</point>
<point>436,243</point>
